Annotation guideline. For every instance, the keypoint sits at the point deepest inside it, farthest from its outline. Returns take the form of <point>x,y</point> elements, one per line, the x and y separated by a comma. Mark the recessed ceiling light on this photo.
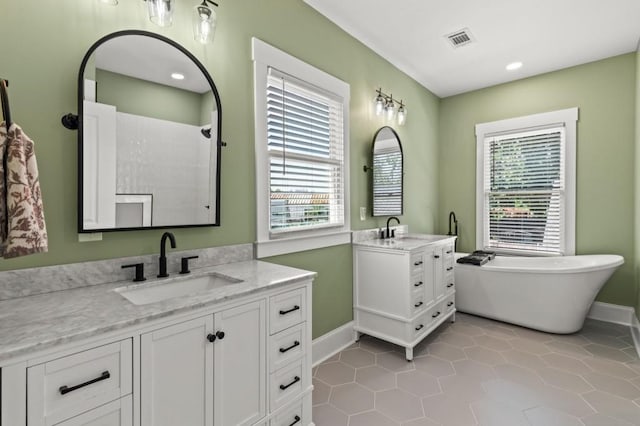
<point>514,66</point>
<point>177,76</point>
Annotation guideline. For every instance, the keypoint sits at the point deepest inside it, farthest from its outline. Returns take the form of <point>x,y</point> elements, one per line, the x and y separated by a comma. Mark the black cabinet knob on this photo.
<point>220,334</point>
<point>436,256</point>
<point>211,337</point>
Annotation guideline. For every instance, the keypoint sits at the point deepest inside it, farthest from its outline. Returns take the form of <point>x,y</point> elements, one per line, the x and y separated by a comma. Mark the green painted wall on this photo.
<point>43,76</point>
<point>149,99</point>
<point>604,92</point>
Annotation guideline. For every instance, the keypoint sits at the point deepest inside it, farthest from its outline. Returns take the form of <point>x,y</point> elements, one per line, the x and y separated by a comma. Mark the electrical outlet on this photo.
<point>363,213</point>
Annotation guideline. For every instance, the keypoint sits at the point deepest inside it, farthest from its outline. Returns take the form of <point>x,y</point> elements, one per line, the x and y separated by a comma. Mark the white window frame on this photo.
<point>271,244</point>
<point>568,119</point>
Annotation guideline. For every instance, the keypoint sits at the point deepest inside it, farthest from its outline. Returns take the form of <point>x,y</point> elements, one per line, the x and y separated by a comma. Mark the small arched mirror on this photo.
<point>149,136</point>
<point>387,173</point>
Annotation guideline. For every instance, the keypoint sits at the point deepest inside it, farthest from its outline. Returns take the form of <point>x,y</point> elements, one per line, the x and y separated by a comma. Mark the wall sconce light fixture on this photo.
<point>204,21</point>
<point>385,104</point>
<point>161,14</point>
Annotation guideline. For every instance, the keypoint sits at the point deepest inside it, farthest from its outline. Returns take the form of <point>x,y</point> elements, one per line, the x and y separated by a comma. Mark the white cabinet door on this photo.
<point>438,272</point>
<point>240,365</point>
<point>176,372</point>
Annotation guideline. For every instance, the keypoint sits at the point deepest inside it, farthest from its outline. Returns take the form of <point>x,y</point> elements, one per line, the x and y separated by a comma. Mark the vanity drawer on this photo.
<point>435,314</point>
<point>448,250</point>
<point>419,326</point>
<point>417,303</point>
<point>286,383</point>
<point>116,413</point>
<point>449,304</point>
<point>417,262</point>
<point>287,345</point>
<point>287,309</point>
<point>67,386</point>
<point>297,414</point>
<point>450,284</point>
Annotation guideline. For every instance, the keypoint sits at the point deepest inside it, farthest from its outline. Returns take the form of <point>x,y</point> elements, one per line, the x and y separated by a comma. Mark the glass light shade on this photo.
<point>109,2</point>
<point>402,115</point>
<point>379,102</point>
<point>204,23</point>
<point>390,110</point>
<point>161,12</point>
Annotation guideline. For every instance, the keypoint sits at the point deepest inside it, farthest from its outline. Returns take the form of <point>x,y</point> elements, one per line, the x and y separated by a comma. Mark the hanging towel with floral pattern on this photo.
<point>22,227</point>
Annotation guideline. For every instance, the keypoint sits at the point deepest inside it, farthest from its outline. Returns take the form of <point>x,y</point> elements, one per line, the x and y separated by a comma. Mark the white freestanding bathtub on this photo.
<point>550,294</point>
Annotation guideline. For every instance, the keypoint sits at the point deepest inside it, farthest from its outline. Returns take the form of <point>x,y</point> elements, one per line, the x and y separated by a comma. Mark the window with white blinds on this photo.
<point>302,154</point>
<point>524,190</point>
<point>526,184</point>
<point>306,161</point>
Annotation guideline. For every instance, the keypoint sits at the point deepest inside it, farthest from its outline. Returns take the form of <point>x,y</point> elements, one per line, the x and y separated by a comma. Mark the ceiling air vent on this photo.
<point>460,38</point>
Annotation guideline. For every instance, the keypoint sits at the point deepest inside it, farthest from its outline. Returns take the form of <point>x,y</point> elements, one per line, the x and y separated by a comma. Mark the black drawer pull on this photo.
<point>418,284</point>
<point>211,337</point>
<point>65,389</point>
<point>448,251</point>
<point>449,285</point>
<point>436,256</point>
<point>449,304</point>
<point>295,308</point>
<point>417,305</point>
<point>283,350</point>
<point>295,380</point>
<point>450,268</point>
<point>296,419</point>
<point>420,327</point>
<point>417,263</point>
<point>435,315</point>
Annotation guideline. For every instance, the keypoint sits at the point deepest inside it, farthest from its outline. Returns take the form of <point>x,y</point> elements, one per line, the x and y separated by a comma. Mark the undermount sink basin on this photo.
<point>156,292</point>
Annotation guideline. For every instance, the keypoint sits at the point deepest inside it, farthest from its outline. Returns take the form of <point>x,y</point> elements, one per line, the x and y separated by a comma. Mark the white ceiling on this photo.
<point>150,59</point>
<point>545,35</point>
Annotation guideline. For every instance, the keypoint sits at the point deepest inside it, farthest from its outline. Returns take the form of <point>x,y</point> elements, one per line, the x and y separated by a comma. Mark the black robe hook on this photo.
<point>70,121</point>
<point>6,111</point>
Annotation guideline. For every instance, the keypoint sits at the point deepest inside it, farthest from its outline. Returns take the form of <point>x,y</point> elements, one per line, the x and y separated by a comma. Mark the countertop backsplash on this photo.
<point>32,281</point>
<point>374,233</point>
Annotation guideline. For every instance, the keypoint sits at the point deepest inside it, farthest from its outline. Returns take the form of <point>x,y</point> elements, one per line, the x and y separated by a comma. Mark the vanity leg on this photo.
<point>356,335</point>
<point>408,354</point>
<point>453,317</point>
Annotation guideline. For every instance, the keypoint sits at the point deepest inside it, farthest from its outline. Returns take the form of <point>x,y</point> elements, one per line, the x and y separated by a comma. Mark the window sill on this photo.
<point>296,244</point>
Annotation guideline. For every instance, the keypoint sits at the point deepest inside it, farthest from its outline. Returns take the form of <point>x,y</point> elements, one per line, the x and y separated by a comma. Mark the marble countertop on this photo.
<point>33,323</point>
<point>405,242</point>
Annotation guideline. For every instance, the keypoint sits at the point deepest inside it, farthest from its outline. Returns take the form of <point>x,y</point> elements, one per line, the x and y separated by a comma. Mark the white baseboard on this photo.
<point>635,333</point>
<point>328,344</point>
<point>611,313</point>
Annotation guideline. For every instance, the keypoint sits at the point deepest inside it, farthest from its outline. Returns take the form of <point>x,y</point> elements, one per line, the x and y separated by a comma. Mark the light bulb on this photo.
<point>161,12</point>
<point>204,23</point>
<point>390,110</point>
<point>379,103</point>
<point>402,115</point>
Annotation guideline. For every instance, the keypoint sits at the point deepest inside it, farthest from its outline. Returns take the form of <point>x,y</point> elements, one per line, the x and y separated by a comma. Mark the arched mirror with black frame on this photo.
<point>388,174</point>
<point>149,143</point>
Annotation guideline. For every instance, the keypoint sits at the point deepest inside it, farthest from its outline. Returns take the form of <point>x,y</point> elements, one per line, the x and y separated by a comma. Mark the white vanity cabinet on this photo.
<point>243,361</point>
<point>402,294</point>
<point>218,358</point>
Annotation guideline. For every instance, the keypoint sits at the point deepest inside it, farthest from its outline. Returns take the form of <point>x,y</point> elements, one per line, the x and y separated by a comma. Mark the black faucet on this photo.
<point>389,235</point>
<point>162,265</point>
<point>452,215</point>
